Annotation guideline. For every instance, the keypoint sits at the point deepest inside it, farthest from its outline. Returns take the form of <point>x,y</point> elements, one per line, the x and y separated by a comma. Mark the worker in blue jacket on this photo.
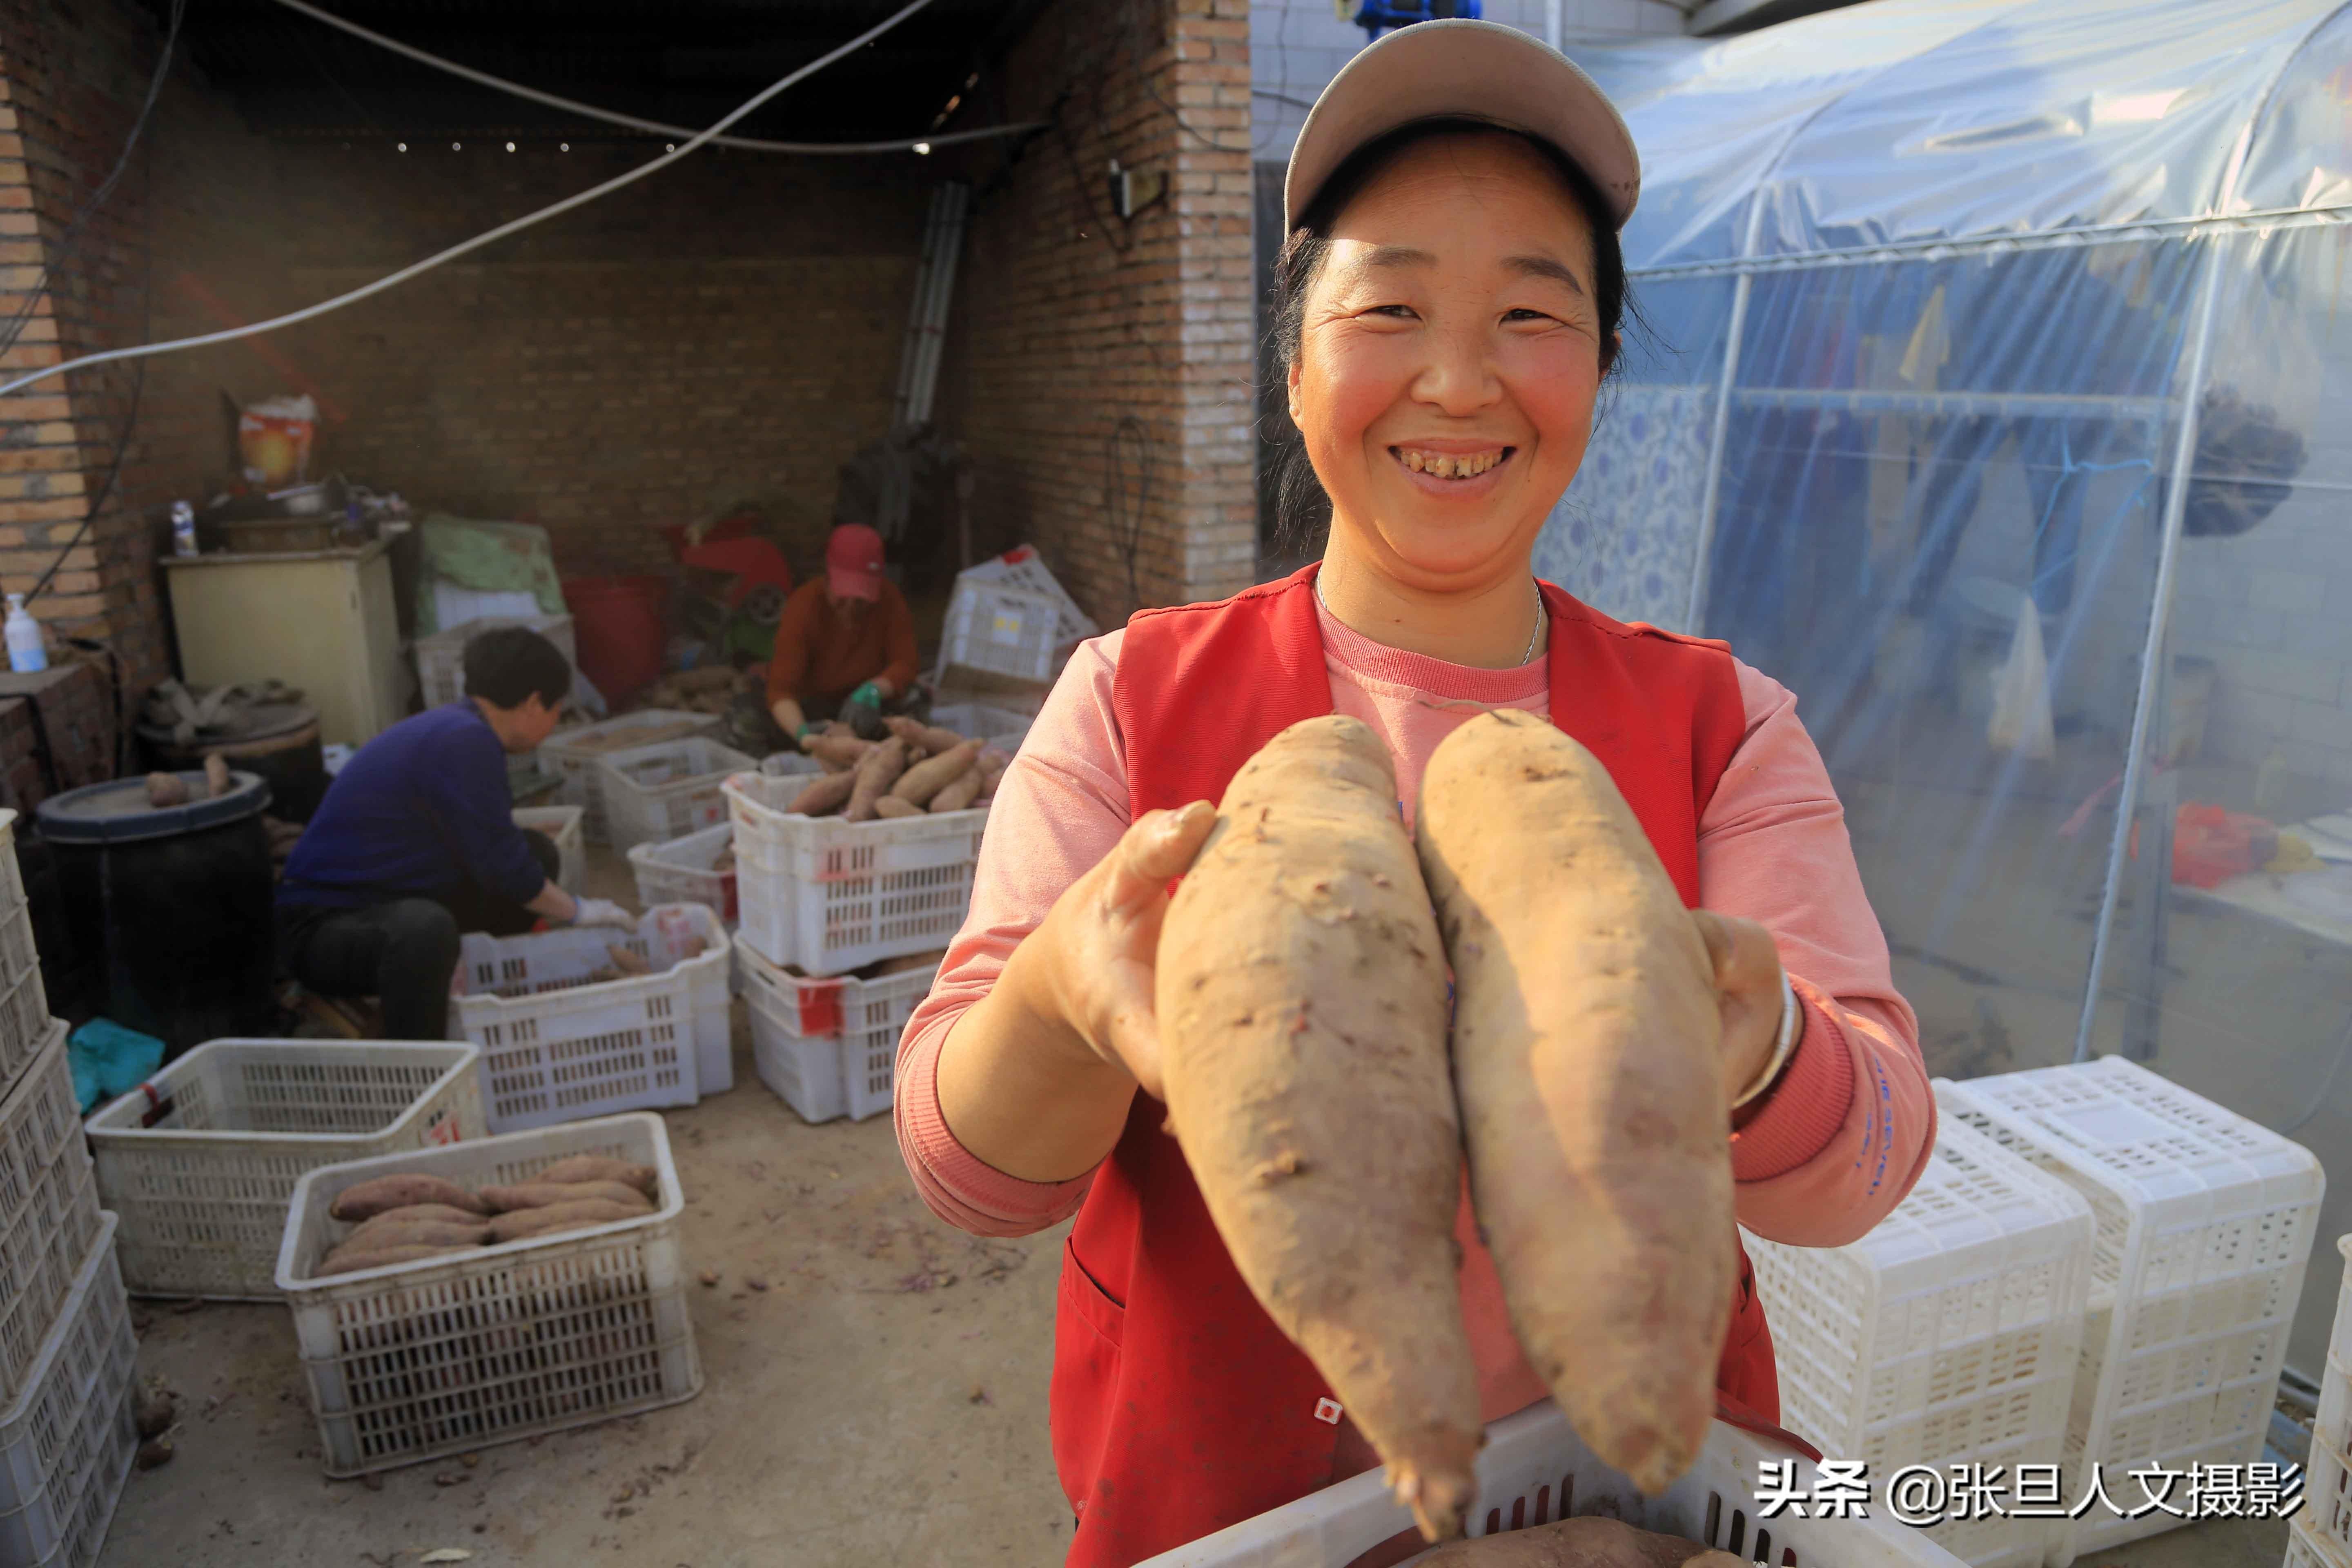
<point>416,842</point>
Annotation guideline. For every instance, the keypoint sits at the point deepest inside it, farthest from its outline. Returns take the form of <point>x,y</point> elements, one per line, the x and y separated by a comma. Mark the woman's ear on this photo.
<point>1290,381</point>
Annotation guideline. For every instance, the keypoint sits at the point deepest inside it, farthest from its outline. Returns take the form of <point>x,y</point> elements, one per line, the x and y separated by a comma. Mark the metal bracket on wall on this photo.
<point>1132,190</point>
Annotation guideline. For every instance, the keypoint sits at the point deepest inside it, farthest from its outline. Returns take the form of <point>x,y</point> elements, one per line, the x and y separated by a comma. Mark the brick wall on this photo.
<point>726,331</point>
<point>1068,320</point>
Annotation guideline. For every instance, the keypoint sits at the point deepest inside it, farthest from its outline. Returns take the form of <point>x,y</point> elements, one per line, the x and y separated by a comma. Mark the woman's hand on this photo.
<point>1747,990</point>
<point>1098,949</point>
<point>1038,1078</point>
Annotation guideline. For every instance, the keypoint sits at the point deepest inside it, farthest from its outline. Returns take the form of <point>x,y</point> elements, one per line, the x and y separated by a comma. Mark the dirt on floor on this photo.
<point>874,1390</point>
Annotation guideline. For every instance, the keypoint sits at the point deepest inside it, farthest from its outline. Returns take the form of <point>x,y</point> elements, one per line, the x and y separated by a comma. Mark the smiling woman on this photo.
<point>1451,294</point>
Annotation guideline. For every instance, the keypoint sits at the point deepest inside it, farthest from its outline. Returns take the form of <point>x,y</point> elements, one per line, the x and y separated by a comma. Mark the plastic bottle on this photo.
<point>183,529</point>
<point>27,653</point>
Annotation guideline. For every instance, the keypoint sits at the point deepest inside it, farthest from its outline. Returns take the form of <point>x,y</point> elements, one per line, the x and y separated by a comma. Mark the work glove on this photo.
<point>602,912</point>
<point>862,711</point>
<point>801,736</point>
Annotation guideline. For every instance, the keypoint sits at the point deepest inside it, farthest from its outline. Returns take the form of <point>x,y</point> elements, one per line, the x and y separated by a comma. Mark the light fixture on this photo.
<point>669,146</point>
<point>923,147</point>
<point>509,146</point>
<point>564,146</point>
<point>403,146</point>
<point>456,146</point>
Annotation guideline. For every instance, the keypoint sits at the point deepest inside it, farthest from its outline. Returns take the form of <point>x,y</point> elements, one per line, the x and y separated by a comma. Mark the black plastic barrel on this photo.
<point>275,742</point>
<point>175,901</point>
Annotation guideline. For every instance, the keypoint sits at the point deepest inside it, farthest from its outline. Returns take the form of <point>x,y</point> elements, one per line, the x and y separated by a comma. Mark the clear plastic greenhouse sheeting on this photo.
<point>1983,273</point>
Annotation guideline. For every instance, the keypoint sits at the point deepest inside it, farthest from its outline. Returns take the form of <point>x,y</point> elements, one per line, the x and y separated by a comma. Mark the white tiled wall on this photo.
<point>1296,46</point>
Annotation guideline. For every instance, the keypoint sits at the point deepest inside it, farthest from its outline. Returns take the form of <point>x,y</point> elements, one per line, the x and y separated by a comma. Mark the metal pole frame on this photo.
<point>1711,495</point>
<point>2176,508</point>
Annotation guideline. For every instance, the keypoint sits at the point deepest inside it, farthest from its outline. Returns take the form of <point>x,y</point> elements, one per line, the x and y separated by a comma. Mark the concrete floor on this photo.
<point>882,1401</point>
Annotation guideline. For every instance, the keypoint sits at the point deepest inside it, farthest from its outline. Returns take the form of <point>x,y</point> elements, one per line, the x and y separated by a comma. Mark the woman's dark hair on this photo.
<point>1303,510</point>
<point>508,664</point>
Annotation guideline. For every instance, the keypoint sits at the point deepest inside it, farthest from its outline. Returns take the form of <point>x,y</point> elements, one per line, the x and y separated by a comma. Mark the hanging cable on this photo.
<point>1126,528</point>
<point>574,106</point>
<point>231,335</point>
<point>71,235</point>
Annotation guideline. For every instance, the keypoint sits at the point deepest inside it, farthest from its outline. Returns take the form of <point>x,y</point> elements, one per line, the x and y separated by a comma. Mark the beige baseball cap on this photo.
<point>1478,70</point>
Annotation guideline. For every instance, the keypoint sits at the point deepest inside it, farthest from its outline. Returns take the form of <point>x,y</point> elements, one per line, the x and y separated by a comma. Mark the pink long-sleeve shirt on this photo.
<point>1838,1142</point>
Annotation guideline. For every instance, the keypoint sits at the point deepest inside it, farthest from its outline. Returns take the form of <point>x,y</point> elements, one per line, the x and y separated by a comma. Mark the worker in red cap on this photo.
<point>845,646</point>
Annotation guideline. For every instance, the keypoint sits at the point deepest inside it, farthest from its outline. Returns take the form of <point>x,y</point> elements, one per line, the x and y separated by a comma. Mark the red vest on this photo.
<point>1178,1406</point>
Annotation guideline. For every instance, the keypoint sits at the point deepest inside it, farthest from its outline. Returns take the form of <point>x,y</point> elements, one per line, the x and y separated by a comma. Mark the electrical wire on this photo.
<point>1127,533</point>
<point>231,335</point>
<point>573,106</point>
<point>73,229</point>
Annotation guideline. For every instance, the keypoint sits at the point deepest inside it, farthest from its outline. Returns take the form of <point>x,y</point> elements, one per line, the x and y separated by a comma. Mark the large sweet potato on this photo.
<point>1585,1046</point>
<point>516,1223</point>
<point>874,775</point>
<point>365,1200</point>
<point>541,1193</point>
<point>602,1168</point>
<point>1301,1000</point>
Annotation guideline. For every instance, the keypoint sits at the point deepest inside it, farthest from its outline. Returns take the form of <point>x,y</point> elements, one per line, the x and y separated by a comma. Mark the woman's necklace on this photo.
<point>1533,632</point>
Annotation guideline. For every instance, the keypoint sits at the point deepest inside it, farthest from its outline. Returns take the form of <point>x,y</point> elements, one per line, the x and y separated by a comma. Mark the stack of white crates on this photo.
<point>2203,1223</point>
<point>828,908</point>
<point>2321,1534</point>
<point>67,1360</point>
<point>1948,1335</point>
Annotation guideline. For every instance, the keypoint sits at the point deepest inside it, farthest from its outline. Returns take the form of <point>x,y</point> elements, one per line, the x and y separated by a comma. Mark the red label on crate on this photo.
<point>820,1008</point>
<point>444,1129</point>
<point>727,908</point>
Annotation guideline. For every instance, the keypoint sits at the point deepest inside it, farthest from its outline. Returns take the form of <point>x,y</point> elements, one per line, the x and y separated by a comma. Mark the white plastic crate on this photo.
<point>2327,1488</point>
<point>1004,728</point>
<point>655,794</point>
<point>414,1360</point>
<point>558,1045</point>
<point>1949,1335</point>
<point>562,824</point>
<point>683,872</point>
<point>829,1047</point>
<point>441,656</point>
<point>48,1206</point>
<point>2306,1550</point>
<point>1022,568</point>
<point>66,1441</point>
<point>572,755</point>
<point>202,1190</point>
<point>826,895</point>
<point>23,1003</point>
<point>998,630</point>
<point>2203,1224</point>
<point>1533,1470</point>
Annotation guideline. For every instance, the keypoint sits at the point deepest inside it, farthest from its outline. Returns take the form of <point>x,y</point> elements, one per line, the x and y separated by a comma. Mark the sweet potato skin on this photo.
<point>1301,1003</point>
<point>842,751</point>
<point>387,1231</point>
<point>959,792</point>
<point>826,792</point>
<point>516,1223</point>
<point>543,1194</point>
<point>365,1200</point>
<point>602,1168</point>
<point>874,777</point>
<point>892,807</point>
<point>1585,1044</point>
<point>925,779</point>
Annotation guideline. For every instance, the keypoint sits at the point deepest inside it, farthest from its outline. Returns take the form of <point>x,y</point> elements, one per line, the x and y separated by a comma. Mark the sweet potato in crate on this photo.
<point>414,1360</point>
<point>2203,1226</point>
<point>567,1032</point>
<point>201,1159</point>
<point>828,896</point>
